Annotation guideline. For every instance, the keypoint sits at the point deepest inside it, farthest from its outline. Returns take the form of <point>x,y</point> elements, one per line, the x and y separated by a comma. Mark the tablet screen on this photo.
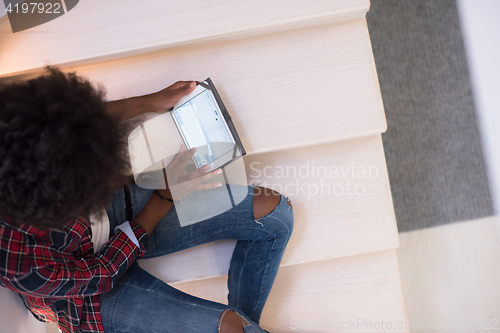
<point>202,126</point>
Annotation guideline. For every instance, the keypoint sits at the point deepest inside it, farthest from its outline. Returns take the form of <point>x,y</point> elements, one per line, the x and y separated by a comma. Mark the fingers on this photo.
<point>197,181</point>
<point>188,87</point>
<point>199,185</point>
<point>182,88</point>
<point>166,98</point>
<point>193,181</point>
<point>198,172</point>
<point>206,186</point>
<point>183,85</point>
<point>184,188</point>
<point>175,170</point>
<point>186,156</point>
<point>179,156</point>
<point>181,91</point>
<point>211,174</point>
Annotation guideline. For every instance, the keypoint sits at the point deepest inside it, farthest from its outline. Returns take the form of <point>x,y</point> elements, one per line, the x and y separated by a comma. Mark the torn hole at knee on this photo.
<point>289,203</point>
<point>221,318</point>
<point>230,321</point>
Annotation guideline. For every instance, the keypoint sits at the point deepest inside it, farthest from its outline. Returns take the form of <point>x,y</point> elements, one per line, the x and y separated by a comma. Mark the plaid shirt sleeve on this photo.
<point>71,271</point>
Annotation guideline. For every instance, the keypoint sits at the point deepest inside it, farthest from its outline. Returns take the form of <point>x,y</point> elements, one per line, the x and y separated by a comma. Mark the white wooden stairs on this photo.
<point>300,82</point>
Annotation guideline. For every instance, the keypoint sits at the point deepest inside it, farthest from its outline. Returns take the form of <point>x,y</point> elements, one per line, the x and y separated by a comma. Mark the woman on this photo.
<point>63,157</point>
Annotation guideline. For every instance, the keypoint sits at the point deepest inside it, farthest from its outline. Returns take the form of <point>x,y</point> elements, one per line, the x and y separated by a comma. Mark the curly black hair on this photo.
<point>61,154</point>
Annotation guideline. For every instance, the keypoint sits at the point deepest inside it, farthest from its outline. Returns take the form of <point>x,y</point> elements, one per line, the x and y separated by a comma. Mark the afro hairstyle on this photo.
<point>61,154</point>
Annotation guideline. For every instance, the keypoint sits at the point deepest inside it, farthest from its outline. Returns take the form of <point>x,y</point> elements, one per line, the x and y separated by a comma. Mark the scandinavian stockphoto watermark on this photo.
<point>466,325</point>
<point>310,179</point>
<point>26,14</point>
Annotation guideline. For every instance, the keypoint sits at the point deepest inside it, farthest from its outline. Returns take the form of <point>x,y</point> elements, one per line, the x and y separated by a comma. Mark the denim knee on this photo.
<point>249,327</point>
<point>288,218</point>
<point>280,220</point>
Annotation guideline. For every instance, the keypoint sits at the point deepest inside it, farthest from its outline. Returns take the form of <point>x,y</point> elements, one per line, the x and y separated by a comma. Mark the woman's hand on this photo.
<point>157,102</point>
<point>165,99</point>
<point>180,183</point>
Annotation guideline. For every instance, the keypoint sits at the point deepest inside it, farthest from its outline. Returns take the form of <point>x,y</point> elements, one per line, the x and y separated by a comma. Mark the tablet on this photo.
<point>204,122</point>
<point>199,120</point>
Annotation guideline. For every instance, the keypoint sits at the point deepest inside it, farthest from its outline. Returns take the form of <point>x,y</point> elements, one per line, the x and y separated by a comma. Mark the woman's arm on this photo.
<point>70,275</point>
<point>157,102</point>
<point>67,268</point>
<point>62,274</point>
<point>154,211</point>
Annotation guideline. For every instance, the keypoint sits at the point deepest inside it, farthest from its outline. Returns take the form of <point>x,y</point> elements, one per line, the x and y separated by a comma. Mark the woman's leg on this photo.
<point>256,257</point>
<point>139,303</point>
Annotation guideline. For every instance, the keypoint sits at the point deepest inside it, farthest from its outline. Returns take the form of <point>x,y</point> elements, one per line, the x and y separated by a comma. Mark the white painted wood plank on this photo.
<point>207,260</point>
<point>450,276</point>
<point>5,28</point>
<point>52,328</point>
<point>340,194</point>
<point>15,317</point>
<point>102,30</point>
<point>362,289</point>
<point>326,225</point>
<point>283,90</point>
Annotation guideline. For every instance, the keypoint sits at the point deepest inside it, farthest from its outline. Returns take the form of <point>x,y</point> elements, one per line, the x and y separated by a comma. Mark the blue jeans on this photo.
<point>139,302</point>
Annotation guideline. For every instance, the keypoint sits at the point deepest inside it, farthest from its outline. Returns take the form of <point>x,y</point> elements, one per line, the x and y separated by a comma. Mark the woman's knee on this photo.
<point>266,201</point>
<point>231,322</point>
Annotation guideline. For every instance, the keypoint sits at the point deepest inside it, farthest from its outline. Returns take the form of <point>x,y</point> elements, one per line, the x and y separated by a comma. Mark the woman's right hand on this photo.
<point>180,183</point>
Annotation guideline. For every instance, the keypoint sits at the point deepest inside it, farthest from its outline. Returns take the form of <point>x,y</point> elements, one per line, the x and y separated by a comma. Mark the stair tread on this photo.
<point>280,96</point>
<point>326,226</point>
<point>101,30</point>
<point>362,287</point>
<point>14,316</point>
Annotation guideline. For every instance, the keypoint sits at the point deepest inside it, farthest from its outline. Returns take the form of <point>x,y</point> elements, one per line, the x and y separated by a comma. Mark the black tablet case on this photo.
<point>225,113</point>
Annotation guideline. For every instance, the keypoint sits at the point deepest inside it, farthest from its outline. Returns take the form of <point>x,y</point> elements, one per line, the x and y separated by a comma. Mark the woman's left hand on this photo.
<point>166,98</point>
<point>158,102</point>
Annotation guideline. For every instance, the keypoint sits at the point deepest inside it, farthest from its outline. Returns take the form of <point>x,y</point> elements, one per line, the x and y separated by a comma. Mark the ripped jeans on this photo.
<point>139,302</point>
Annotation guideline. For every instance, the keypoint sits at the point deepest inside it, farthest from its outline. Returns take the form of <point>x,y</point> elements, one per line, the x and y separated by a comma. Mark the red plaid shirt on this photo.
<point>57,273</point>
